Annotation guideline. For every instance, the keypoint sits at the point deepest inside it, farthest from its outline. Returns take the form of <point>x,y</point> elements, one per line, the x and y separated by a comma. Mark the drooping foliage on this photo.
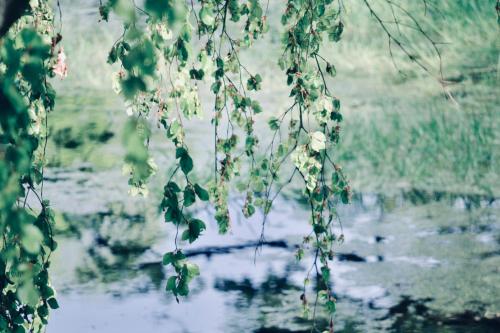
<point>26,219</point>
<point>167,50</point>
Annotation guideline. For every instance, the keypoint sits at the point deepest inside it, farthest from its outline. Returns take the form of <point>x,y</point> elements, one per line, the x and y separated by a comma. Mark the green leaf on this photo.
<point>173,257</point>
<point>124,8</point>
<point>172,186</point>
<point>330,306</point>
<point>216,86</point>
<point>336,116</point>
<point>132,85</point>
<point>196,74</point>
<point>330,69</point>
<point>273,123</point>
<point>104,12</point>
<point>336,104</point>
<point>325,272</point>
<point>31,239</point>
<point>256,107</point>
<point>336,33</point>
<point>28,294</point>
<point>112,56</point>
<point>207,15</point>
<point>344,195</point>
<point>20,329</point>
<point>192,269</point>
<point>174,130</point>
<point>195,227</point>
<point>18,319</point>
<point>173,215</point>
<point>180,152</point>
<point>53,303</point>
<point>201,192</point>
<point>189,196</point>
<point>183,288</point>
<point>172,10</point>
<point>253,83</point>
<point>300,254</point>
<point>43,311</point>
<point>168,258</point>
<point>318,229</point>
<point>186,163</point>
<point>171,283</point>
<point>250,210</point>
<point>234,9</point>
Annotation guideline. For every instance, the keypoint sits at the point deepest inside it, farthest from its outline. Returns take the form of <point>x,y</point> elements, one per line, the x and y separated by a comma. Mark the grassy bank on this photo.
<point>400,130</point>
<point>429,145</point>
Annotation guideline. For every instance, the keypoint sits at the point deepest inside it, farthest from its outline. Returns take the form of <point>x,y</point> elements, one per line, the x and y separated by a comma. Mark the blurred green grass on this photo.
<point>431,147</point>
<point>413,137</point>
<point>400,130</point>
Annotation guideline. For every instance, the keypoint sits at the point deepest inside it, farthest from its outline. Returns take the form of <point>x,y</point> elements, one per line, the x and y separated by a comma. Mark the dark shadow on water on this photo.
<point>131,264</point>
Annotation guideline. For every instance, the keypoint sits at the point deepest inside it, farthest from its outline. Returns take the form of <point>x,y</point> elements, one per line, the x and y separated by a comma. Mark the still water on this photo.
<point>410,263</point>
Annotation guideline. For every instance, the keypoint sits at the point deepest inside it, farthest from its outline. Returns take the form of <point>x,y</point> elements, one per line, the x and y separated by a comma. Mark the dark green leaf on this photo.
<point>201,192</point>
<point>330,306</point>
<point>330,69</point>
<point>344,195</point>
<point>173,257</point>
<point>189,196</point>
<point>336,33</point>
<point>195,227</point>
<point>53,303</point>
<point>273,123</point>
<point>186,164</point>
<point>172,186</point>
<point>171,282</point>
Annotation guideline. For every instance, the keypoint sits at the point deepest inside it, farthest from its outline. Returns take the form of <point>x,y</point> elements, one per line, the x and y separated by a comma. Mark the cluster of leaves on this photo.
<point>26,98</point>
<point>158,76</point>
<point>307,24</point>
<point>159,72</point>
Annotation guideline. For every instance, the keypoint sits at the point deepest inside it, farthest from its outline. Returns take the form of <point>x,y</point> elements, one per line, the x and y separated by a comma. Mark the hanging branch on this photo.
<point>159,72</point>
<point>26,99</point>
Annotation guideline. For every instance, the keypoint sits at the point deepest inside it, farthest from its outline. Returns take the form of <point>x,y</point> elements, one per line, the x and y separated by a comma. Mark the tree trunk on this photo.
<point>10,11</point>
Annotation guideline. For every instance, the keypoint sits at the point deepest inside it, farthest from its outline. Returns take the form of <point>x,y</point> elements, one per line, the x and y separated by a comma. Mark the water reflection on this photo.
<point>408,265</point>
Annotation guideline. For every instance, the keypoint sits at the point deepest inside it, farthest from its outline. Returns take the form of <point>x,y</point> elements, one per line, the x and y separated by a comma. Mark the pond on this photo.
<point>411,262</point>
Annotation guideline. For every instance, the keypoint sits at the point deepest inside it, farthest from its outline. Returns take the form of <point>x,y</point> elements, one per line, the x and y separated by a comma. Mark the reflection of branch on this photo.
<point>209,251</point>
<point>215,250</point>
<point>228,249</point>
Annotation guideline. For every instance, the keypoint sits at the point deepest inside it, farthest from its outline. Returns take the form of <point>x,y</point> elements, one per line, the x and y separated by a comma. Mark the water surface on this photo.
<point>410,263</point>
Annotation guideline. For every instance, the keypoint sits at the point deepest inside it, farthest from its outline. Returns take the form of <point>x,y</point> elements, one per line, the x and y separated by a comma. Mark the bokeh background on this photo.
<point>422,236</point>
